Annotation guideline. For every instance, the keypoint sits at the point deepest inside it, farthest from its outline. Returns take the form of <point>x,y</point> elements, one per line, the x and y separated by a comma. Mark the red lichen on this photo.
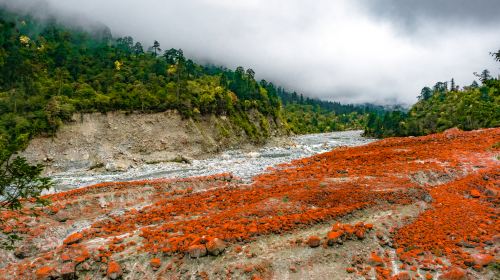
<point>155,263</point>
<point>290,196</point>
<point>376,260</point>
<point>44,272</point>
<point>453,220</point>
<point>114,270</point>
<point>313,241</point>
<point>73,238</point>
<point>454,273</point>
<point>475,193</point>
<point>215,246</point>
<point>482,259</point>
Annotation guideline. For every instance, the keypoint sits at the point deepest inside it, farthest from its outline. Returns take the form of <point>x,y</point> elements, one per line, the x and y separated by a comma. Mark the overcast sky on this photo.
<point>380,51</point>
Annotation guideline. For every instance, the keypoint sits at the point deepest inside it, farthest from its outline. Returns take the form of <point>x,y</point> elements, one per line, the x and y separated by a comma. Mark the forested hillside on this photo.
<point>307,115</point>
<point>444,106</point>
<point>48,72</point>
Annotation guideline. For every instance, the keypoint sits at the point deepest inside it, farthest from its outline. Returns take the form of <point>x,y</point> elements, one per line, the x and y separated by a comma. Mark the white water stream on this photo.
<point>241,163</point>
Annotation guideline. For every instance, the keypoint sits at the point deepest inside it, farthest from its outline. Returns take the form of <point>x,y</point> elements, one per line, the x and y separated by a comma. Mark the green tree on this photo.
<point>496,55</point>
<point>173,56</point>
<point>472,107</point>
<point>19,181</point>
<point>483,76</point>
<point>156,48</point>
<point>425,93</point>
<point>138,48</point>
<point>452,85</point>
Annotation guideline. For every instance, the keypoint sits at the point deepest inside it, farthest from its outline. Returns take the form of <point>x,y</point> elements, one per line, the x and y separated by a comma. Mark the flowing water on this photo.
<point>241,163</point>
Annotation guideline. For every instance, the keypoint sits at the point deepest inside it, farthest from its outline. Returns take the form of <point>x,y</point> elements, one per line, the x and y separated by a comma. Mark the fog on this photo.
<point>381,51</point>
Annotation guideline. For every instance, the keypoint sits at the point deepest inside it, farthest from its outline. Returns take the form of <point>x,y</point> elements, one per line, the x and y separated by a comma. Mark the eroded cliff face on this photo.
<point>117,141</point>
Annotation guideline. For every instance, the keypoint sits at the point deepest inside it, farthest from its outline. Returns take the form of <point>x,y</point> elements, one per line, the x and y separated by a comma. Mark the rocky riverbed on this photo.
<point>243,163</point>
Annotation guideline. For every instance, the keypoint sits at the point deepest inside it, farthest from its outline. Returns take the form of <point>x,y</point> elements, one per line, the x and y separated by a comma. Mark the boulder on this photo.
<point>375,260</point>
<point>114,270</point>
<point>482,259</point>
<point>73,238</point>
<point>215,246</point>
<point>197,251</point>
<point>68,271</point>
<point>475,193</point>
<point>155,263</point>
<point>313,241</point>
<point>454,273</point>
<point>334,237</point>
<point>44,272</point>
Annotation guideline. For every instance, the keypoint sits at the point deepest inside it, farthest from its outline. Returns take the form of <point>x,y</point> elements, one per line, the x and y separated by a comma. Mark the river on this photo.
<point>241,163</point>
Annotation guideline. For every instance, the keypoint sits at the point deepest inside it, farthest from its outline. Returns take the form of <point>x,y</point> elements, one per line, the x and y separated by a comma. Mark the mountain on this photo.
<point>443,107</point>
<point>49,72</point>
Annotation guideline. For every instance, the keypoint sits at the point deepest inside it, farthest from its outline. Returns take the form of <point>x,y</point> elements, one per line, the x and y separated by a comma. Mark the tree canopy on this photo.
<point>471,107</point>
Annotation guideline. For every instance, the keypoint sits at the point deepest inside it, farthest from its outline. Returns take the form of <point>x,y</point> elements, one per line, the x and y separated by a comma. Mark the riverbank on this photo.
<point>401,207</point>
<point>243,162</point>
<point>119,141</point>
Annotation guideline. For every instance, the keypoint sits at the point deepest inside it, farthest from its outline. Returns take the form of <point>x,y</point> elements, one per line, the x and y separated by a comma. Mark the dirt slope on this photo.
<point>115,141</point>
<point>400,208</point>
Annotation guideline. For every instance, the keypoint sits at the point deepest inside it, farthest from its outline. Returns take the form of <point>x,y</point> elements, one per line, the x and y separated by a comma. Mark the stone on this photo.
<point>114,270</point>
<point>482,259</point>
<point>375,260</point>
<point>454,273</point>
<point>334,237</point>
<point>215,246</point>
<point>475,193</point>
<point>197,251</point>
<point>68,271</point>
<point>313,241</point>
<point>155,263</point>
<point>73,238</point>
<point>44,272</point>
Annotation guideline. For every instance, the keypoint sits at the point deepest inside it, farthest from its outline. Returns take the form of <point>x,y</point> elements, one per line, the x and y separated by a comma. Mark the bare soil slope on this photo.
<point>116,141</point>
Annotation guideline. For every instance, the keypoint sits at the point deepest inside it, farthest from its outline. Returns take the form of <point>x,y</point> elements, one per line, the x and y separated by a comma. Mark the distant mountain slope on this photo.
<point>442,107</point>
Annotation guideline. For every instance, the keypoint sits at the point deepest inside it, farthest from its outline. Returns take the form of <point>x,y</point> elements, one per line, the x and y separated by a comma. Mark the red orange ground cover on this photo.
<point>456,220</point>
<point>450,167</point>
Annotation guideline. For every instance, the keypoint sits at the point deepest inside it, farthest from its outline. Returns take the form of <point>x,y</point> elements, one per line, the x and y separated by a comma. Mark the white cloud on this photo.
<point>335,50</point>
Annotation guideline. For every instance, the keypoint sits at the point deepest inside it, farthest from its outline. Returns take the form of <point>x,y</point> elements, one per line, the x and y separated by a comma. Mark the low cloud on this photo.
<point>351,51</point>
